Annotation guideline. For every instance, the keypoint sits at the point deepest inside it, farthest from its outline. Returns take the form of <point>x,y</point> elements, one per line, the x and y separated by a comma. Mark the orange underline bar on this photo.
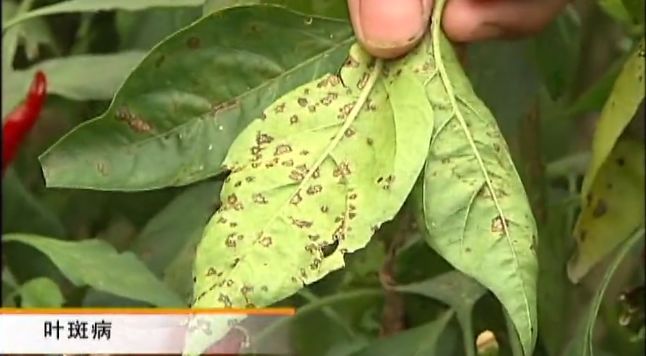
<point>150,311</point>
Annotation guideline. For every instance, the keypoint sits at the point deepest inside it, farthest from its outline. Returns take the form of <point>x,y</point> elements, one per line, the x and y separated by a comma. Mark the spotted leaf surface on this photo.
<point>613,208</point>
<point>475,207</point>
<point>313,178</point>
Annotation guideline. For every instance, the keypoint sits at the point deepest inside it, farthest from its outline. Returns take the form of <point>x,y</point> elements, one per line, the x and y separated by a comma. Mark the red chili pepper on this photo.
<point>20,121</point>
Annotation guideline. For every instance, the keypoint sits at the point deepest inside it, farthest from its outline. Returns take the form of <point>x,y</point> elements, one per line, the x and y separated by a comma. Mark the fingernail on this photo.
<point>392,23</point>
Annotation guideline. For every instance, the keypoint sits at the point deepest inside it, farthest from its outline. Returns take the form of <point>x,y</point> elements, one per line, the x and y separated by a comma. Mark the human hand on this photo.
<point>390,28</point>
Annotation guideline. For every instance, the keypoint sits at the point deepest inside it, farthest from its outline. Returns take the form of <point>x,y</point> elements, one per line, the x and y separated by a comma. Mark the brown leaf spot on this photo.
<point>583,235</point>
<point>233,224</point>
<point>620,161</point>
<point>193,42</point>
<point>342,169</point>
<point>266,241</point>
<point>498,226</point>
<point>302,102</point>
<point>249,179</point>
<point>260,199</point>
<point>301,224</point>
<point>344,111</point>
<point>296,175</point>
<point>293,119</point>
<point>287,163</point>
<point>351,62</point>
<point>279,108</point>
<point>316,263</point>
<point>231,240</point>
<point>282,149</point>
<point>304,152</point>
<point>328,249</point>
<point>316,174</point>
<point>369,141</point>
<point>349,132</point>
<point>362,82</point>
<point>224,300</point>
<point>238,184</point>
<point>329,98</point>
<point>600,209</point>
<point>255,164</point>
<point>311,108</point>
<point>324,209</point>
<point>314,237</point>
<point>211,272</point>
<point>296,199</point>
<point>314,189</point>
<point>235,262</point>
<point>263,138</point>
<point>136,124</point>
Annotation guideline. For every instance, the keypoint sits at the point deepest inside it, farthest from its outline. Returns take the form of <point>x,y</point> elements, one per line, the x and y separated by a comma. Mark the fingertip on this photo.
<point>389,28</point>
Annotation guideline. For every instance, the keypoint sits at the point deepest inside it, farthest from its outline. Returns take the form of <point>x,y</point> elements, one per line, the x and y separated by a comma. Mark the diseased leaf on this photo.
<point>476,210</point>
<point>627,94</point>
<point>313,179</point>
<point>457,291</point>
<point>613,208</point>
<point>97,264</point>
<point>418,341</point>
<point>98,5</point>
<point>174,118</point>
<point>582,342</point>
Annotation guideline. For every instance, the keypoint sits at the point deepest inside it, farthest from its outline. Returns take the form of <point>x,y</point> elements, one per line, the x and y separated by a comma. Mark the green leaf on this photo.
<point>563,36</point>
<point>626,12</point>
<point>613,208</point>
<point>74,77</point>
<point>23,212</point>
<point>173,120</point>
<point>418,341</point>
<point>40,293</point>
<point>627,94</point>
<point>306,176</point>
<point>145,29</point>
<point>97,264</point>
<point>476,209</point>
<point>582,341</point>
<point>457,291</point>
<point>167,242</point>
<point>594,97</point>
<point>98,5</point>
<point>324,8</point>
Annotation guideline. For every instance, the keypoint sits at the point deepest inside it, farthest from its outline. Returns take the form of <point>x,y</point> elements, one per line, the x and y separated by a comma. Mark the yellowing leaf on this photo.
<point>313,179</point>
<point>475,207</point>
<point>613,208</point>
<point>620,108</point>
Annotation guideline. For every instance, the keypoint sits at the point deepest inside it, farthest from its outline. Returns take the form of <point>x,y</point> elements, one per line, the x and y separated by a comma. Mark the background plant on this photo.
<point>140,117</point>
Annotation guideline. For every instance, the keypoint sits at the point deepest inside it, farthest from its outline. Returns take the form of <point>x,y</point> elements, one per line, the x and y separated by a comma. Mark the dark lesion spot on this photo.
<point>259,198</point>
<point>282,149</point>
<point>193,42</point>
<point>328,249</point>
<point>621,161</point>
<point>600,209</point>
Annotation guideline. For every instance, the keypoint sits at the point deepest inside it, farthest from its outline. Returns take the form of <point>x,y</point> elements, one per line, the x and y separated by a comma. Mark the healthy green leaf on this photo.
<point>476,210</point>
<point>97,264</point>
<point>167,242</point>
<point>582,342</point>
<point>23,212</point>
<point>98,5</point>
<point>457,291</point>
<point>305,179</point>
<point>419,341</point>
<point>74,77</point>
<point>173,120</point>
<point>40,293</point>
<point>562,36</point>
<point>613,208</point>
<point>627,94</point>
<point>324,8</point>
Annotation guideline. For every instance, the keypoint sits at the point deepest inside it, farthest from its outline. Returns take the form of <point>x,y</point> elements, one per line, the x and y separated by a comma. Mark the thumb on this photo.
<point>389,28</point>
